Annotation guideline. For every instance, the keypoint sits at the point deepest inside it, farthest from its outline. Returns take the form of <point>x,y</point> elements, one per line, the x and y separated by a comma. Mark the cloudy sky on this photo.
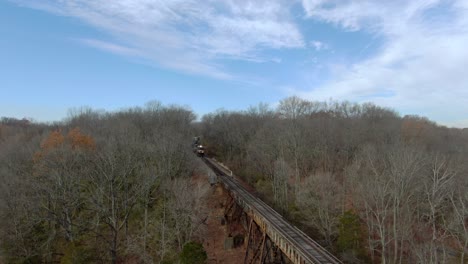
<point>408,55</point>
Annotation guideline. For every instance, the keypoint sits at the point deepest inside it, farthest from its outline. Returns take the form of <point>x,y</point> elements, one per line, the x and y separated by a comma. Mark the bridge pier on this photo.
<point>259,247</point>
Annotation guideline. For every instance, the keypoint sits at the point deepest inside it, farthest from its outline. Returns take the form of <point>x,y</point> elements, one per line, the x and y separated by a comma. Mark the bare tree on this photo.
<point>437,185</point>
<point>320,201</point>
<point>267,152</point>
<point>457,222</point>
<point>291,109</point>
<point>21,222</point>
<point>385,185</point>
<point>114,188</point>
<point>371,191</point>
<point>280,184</point>
<point>294,107</point>
<point>187,209</point>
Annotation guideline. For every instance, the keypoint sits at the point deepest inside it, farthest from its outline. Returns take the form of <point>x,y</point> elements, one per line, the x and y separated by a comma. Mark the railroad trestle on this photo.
<point>259,248</point>
<point>270,238</point>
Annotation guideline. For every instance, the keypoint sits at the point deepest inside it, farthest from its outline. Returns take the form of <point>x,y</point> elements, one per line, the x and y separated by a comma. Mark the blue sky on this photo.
<point>408,55</point>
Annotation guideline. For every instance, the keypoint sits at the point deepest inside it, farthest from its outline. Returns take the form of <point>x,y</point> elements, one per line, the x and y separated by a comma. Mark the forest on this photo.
<point>98,187</point>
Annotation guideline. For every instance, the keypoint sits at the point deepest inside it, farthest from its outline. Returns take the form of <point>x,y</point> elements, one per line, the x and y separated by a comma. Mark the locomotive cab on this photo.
<point>200,150</point>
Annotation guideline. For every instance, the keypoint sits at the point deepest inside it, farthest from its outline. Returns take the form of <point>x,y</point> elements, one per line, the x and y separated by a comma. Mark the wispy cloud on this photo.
<point>110,47</point>
<point>420,69</point>
<point>318,45</point>
<point>380,16</point>
<point>192,36</point>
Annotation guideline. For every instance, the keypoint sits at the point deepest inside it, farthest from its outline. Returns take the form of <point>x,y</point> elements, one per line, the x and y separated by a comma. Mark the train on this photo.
<point>197,147</point>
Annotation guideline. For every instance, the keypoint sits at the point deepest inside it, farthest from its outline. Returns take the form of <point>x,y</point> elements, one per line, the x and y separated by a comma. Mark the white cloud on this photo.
<point>186,35</point>
<point>318,45</point>
<point>420,69</point>
<point>386,16</point>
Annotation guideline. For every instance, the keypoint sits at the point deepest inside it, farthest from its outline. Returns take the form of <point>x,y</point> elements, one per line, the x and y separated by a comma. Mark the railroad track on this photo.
<point>309,250</point>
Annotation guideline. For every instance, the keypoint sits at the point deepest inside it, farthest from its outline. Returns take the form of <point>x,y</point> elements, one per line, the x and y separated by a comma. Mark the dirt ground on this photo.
<point>217,233</point>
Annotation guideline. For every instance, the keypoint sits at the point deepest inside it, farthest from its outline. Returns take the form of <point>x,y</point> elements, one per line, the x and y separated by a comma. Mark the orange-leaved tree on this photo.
<point>78,140</point>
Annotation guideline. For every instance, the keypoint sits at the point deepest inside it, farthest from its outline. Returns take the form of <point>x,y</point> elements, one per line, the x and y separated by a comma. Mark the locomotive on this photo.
<point>198,147</point>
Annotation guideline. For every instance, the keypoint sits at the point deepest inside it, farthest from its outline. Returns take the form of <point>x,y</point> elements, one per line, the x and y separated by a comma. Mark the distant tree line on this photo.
<point>100,187</point>
<point>370,185</point>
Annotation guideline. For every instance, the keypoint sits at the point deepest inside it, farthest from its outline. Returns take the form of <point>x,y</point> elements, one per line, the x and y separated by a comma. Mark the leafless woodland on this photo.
<point>370,185</point>
<point>100,187</point>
